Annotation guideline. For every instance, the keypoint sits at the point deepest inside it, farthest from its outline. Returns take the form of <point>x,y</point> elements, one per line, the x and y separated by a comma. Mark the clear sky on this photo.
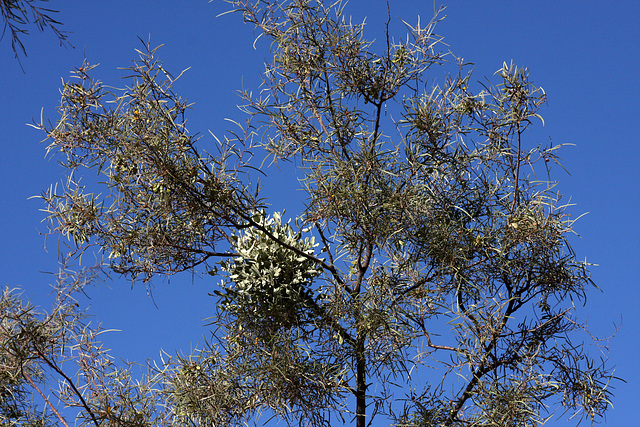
<point>584,53</point>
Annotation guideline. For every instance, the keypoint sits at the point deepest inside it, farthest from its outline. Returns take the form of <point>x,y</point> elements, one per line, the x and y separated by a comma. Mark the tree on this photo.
<point>431,237</point>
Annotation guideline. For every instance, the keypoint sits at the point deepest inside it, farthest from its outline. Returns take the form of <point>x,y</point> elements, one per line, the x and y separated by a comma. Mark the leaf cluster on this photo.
<point>271,283</point>
<point>17,14</point>
<point>166,205</point>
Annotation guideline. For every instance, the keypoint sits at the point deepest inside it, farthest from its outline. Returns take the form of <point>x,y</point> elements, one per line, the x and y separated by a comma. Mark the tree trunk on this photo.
<point>361,385</point>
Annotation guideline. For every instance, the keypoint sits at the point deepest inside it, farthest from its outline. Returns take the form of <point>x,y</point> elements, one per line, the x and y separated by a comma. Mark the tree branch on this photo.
<point>69,381</point>
<point>28,378</point>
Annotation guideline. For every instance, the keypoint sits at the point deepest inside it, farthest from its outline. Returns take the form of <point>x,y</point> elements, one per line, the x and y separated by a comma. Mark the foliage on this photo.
<point>40,349</point>
<point>169,203</point>
<point>16,14</point>
<point>444,270</point>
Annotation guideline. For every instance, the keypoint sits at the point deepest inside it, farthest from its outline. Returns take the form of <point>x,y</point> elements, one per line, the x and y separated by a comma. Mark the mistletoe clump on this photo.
<point>272,275</point>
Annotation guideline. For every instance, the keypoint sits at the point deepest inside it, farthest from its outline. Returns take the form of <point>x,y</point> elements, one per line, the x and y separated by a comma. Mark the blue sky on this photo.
<point>584,53</point>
